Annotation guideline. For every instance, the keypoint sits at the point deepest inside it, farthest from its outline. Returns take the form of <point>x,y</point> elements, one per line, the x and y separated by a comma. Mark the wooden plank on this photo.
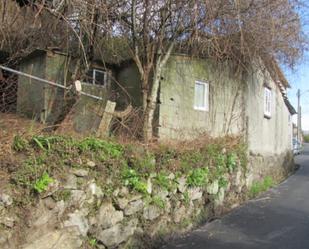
<point>103,129</point>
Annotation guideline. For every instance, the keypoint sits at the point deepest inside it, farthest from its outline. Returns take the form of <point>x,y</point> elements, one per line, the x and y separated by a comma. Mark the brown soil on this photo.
<point>12,125</point>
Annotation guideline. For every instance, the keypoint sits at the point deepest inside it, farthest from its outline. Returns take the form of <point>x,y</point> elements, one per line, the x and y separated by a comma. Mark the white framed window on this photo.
<point>201,96</point>
<point>267,102</point>
<point>98,77</point>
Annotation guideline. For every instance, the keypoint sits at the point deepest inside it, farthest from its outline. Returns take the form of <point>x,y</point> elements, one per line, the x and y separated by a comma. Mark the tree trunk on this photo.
<point>153,94</point>
<point>145,83</point>
<point>151,106</point>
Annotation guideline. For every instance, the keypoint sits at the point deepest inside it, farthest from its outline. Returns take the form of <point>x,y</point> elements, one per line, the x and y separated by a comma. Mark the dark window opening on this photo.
<point>96,77</point>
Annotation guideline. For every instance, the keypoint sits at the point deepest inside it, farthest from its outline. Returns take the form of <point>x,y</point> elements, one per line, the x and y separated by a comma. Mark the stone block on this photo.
<point>108,216</point>
<point>151,212</point>
<point>117,234</point>
<point>134,207</point>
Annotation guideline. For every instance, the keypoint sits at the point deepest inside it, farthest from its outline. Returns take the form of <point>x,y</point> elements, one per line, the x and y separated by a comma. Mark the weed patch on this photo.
<point>158,201</point>
<point>197,177</point>
<point>62,195</point>
<point>163,181</point>
<point>19,143</point>
<point>92,242</point>
<point>42,183</point>
<point>260,187</point>
<point>134,181</point>
<point>128,164</point>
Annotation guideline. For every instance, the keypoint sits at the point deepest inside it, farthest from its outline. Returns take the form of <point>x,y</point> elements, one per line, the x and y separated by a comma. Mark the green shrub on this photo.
<point>29,171</point>
<point>162,180</point>
<point>144,163</point>
<point>197,177</point>
<point>262,186</point>
<point>165,156</point>
<point>158,201</point>
<point>42,183</point>
<point>92,242</point>
<point>19,143</point>
<point>41,142</point>
<point>223,182</point>
<point>109,149</point>
<point>133,180</point>
<point>191,159</point>
<point>241,152</point>
<point>231,161</point>
<point>186,198</point>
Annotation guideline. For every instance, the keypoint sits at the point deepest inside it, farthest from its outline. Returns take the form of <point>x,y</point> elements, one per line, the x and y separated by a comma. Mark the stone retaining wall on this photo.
<point>276,166</point>
<point>75,212</point>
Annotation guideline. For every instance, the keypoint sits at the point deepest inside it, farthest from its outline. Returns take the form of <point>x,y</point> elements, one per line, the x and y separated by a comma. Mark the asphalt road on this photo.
<point>279,219</point>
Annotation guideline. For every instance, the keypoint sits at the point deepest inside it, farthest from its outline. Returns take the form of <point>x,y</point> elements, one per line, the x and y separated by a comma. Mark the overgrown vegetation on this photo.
<point>158,201</point>
<point>148,32</point>
<point>128,165</point>
<point>19,143</point>
<point>42,183</point>
<point>261,186</point>
<point>197,177</point>
<point>134,180</point>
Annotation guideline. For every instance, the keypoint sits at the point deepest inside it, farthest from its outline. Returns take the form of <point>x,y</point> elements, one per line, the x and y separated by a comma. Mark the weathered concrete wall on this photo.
<point>266,136</point>
<point>35,98</point>
<point>176,117</point>
<point>56,70</point>
<point>48,103</point>
<point>236,103</point>
<point>179,120</point>
<point>129,79</point>
<point>269,139</point>
<point>30,93</point>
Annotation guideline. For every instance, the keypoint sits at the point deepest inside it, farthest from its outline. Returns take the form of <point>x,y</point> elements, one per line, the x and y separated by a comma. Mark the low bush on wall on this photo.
<point>130,164</point>
<point>128,189</point>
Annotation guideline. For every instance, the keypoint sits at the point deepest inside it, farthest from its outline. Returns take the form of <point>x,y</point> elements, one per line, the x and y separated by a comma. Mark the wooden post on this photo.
<point>103,129</point>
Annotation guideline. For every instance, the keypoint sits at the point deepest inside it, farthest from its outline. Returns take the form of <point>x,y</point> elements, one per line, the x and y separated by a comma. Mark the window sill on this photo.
<point>91,84</point>
<point>200,109</point>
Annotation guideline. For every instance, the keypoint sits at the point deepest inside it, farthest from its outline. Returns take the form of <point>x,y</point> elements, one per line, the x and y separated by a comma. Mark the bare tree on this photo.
<point>151,30</point>
<point>239,30</point>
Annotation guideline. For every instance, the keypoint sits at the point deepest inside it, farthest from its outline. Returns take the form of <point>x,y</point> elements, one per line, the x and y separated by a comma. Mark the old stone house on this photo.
<point>196,96</point>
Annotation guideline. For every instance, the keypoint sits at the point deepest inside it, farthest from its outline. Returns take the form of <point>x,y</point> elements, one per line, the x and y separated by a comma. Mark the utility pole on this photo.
<point>298,116</point>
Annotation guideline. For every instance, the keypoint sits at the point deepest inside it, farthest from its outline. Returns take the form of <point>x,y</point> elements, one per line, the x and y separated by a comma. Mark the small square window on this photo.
<point>267,102</point>
<point>98,77</point>
<point>201,92</point>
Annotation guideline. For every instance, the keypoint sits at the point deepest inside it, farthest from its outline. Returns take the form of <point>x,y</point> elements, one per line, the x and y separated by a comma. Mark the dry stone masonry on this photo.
<point>113,221</point>
<point>104,198</point>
